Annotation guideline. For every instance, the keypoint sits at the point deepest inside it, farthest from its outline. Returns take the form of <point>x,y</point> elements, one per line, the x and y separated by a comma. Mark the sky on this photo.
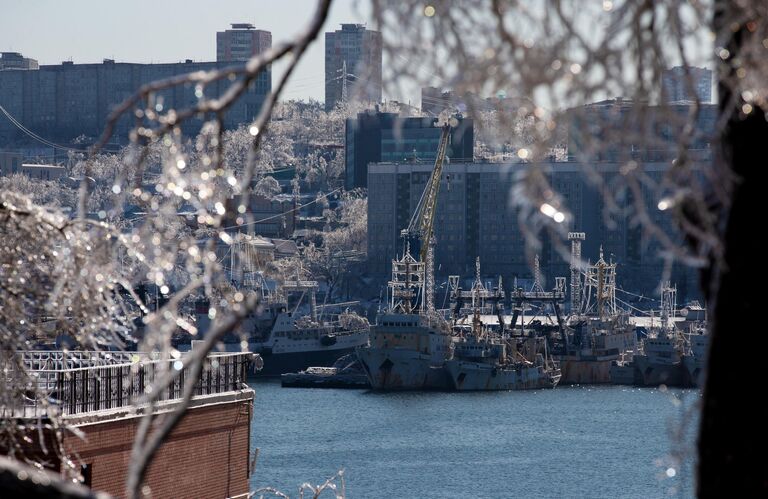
<point>88,31</point>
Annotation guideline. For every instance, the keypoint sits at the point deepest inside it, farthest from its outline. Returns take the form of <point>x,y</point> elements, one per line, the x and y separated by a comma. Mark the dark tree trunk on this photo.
<point>732,439</point>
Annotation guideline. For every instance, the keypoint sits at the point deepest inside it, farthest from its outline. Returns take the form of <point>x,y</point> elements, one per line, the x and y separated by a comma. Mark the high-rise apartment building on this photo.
<point>352,65</point>
<point>623,130</point>
<point>677,87</point>
<point>374,136</point>
<point>69,100</point>
<point>477,215</point>
<point>64,101</point>
<point>241,42</point>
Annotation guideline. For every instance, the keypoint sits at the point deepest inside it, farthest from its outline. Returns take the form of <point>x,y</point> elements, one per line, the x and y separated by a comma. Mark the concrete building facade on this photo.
<point>676,87</point>
<point>65,101</point>
<point>622,130</point>
<point>10,163</point>
<point>478,216</point>
<point>359,50</point>
<point>241,43</point>
<point>375,137</point>
<point>15,61</point>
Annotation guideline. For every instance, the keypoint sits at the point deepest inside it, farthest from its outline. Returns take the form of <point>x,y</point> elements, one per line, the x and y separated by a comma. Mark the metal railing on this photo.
<point>83,382</point>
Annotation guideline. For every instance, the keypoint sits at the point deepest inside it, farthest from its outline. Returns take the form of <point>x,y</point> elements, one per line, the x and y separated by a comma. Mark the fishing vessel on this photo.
<point>287,340</point>
<point>501,359</point>
<point>660,362</point>
<point>410,341</point>
<point>599,333</point>
<point>695,359</point>
<point>408,346</point>
<point>493,361</point>
<point>697,338</point>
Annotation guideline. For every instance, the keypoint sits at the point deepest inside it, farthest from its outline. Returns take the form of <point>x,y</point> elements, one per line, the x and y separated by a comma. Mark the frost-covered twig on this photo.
<point>338,489</point>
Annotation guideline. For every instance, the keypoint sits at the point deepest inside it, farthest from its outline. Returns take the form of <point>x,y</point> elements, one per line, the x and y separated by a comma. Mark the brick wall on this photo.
<point>206,455</point>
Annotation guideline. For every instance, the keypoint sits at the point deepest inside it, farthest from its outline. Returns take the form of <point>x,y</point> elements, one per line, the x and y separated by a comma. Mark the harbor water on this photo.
<point>568,442</point>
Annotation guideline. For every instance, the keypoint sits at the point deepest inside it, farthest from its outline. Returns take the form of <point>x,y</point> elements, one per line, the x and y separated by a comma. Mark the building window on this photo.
<point>86,470</point>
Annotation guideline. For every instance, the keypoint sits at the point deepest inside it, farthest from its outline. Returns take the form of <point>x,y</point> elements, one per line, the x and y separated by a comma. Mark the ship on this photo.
<point>408,347</point>
<point>599,333</point>
<point>695,359</point>
<point>410,340</point>
<point>485,361</point>
<point>494,360</point>
<point>661,360</point>
<point>287,340</point>
<point>595,345</point>
<point>501,373</point>
<point>697,339</point>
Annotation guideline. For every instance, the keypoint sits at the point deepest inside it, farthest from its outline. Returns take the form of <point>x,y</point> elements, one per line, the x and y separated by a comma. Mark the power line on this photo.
<point>285,212</point>
<point>643,297</point>
<point>632,307</point>
<point>35,136</point>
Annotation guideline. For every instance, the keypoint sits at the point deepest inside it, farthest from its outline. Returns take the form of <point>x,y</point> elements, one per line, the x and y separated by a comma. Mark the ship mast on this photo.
<point>600,279</point>
<point>576,238</point>
<point>600,284</point>
<point>668,304</point>
<point>479,294</point>
<point>536,276</point>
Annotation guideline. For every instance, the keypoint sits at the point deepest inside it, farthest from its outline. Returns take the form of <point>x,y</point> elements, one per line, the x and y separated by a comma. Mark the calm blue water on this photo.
<point>567,442</point>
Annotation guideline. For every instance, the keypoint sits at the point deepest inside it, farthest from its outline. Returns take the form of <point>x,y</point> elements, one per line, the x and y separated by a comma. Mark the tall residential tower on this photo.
<point>241,43</point>
<point>352,65</point>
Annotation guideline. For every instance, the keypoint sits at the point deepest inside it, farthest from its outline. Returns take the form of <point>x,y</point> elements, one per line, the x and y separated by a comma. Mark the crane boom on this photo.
<point>420,232</point>
<point>421,227</point>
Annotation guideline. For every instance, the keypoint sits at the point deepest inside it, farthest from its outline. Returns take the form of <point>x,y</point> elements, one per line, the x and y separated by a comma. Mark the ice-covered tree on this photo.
<point>546,57</point>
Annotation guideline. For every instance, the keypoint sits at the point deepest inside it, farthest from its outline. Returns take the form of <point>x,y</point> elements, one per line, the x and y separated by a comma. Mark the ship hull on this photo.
<point>478,376</point>
<point>625,374</point>
<point>694,369</point>
<point>642,372</point>
<point>578,370</point>
<point>654,374</point>
<point>276,364</point>
<point>306,380</point>
<point>394,369</point>
<point>695,362</point>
